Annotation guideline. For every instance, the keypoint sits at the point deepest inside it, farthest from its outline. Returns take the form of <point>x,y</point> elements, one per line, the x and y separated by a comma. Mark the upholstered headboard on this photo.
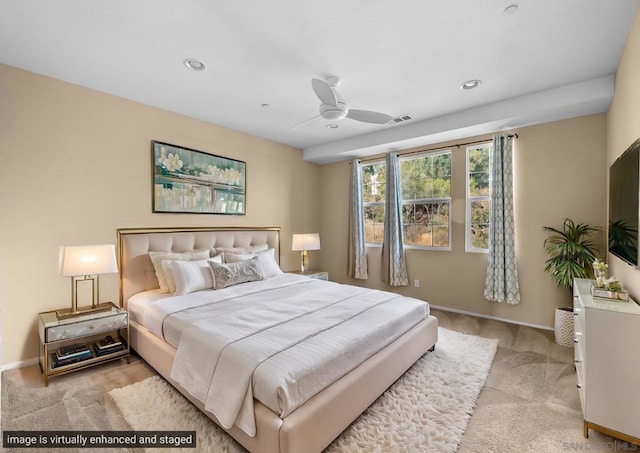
<point>134,244</point>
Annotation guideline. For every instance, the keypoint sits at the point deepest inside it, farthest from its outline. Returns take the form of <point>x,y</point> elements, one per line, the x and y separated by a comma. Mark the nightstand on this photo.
<point>320,275</point>
<point>61,340</point>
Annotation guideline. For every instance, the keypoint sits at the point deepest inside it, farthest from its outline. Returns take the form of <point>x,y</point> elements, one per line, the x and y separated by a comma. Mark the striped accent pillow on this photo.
<point>191,276</point>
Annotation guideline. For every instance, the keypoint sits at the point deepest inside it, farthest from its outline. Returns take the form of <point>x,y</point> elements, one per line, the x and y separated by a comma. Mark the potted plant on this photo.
<point>572,252</point>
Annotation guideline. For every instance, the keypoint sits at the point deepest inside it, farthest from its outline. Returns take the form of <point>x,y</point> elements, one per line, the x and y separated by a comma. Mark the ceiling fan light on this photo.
<point>332,113</point>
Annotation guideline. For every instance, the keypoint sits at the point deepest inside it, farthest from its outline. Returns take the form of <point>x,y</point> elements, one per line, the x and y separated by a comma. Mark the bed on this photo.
<point>292,420</point>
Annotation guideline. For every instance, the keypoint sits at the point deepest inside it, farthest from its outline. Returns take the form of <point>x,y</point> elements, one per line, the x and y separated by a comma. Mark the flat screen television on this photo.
<point>624,204</point>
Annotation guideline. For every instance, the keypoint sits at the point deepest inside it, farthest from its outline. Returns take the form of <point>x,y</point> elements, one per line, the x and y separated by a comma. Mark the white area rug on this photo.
<point>427,409</point>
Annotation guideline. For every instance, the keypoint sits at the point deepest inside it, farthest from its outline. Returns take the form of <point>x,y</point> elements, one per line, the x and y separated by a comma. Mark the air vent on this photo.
<point>402,118</point>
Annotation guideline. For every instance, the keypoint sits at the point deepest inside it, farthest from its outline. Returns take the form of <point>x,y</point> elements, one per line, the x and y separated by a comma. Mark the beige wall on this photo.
<point>623,128</point>
<point>75,166</point>
<point>558,173</point>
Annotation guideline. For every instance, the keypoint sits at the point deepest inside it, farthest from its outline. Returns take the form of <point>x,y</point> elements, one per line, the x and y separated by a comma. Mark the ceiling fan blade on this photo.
<point>367,116</point>
<point>302,123</point>
<point>324,91</point>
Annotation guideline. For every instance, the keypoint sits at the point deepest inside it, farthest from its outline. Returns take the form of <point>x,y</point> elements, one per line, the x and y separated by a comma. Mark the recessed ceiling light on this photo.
<point>471,84</point>
<point>332,126</point>
<point>511,9</point>
<point>196,65</point>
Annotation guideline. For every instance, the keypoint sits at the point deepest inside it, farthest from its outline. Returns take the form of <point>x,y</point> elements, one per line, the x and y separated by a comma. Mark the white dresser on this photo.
<point>607,359</point>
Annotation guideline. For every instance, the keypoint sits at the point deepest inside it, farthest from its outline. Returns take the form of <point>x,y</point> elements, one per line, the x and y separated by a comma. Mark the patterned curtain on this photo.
<point>357,251</point>
<point>394,268</point>
<point>502,270</point>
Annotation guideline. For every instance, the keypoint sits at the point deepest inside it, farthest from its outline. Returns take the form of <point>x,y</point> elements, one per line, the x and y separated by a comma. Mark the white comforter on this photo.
<point>280,340</point>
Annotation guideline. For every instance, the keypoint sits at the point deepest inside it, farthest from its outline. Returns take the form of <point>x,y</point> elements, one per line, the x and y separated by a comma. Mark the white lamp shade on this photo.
<point>307,241</point>
<point>78,260</point>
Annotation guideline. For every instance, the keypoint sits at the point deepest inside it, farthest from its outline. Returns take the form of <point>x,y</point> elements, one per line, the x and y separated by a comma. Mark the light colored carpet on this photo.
<point>427,409</point>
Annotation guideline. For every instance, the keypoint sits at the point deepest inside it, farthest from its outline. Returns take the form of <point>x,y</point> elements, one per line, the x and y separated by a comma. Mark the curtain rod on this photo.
<point>419,151</point>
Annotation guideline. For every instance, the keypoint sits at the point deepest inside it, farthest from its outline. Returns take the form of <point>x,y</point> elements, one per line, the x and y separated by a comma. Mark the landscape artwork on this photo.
<point>190,181</point>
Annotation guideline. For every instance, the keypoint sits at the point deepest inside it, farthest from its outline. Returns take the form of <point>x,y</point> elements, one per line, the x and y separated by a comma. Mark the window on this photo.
<point>478,201</point>
<point>426,200</point>
<point>373,192</point>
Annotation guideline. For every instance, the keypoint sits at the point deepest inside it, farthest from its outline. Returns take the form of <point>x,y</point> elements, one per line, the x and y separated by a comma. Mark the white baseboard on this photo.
<point>480,315</point>
<point>21,364</point>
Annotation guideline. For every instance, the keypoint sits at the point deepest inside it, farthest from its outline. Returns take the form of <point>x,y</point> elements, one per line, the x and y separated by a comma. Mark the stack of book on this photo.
<point>107,345</point>
<point>70,354</point>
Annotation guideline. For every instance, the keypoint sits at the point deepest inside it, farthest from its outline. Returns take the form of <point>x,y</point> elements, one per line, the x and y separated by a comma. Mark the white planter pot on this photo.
<point>563,326</point>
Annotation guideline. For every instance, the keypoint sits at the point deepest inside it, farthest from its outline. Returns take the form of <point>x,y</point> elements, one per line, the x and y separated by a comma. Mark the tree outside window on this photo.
<point>478,201</point>
<point>426,200</point>
<point>373,193</point>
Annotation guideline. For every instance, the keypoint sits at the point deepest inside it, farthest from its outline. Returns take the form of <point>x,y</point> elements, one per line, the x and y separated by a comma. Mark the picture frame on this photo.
<point>188,181</point>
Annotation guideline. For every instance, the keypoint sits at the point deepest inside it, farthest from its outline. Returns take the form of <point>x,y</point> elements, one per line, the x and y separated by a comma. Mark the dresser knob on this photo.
<point>578,386</point>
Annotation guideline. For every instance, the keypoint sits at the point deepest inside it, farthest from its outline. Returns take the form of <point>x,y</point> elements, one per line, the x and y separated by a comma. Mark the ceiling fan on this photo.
<point>333,106</point>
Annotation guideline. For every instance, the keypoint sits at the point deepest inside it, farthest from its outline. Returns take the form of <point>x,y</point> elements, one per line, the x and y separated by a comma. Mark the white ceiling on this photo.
<point>550,60</point>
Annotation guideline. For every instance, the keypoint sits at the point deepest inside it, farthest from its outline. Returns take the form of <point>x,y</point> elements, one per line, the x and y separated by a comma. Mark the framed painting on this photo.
<point>190,181</point>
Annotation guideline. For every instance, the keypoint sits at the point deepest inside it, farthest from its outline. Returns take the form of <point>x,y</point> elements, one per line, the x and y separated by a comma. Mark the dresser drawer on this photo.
<point>578,349</point>
<point>87,327</point>
<point>582,389</point>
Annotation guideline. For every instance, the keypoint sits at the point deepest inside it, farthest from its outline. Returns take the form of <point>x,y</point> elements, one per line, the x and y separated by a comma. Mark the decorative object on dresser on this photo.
<point>571,255</point>
<point>607,288</point>
<point>303,243</point>
<point>190,181</point>
<point>81,341</point>
<point>607,360</point>
<point>84,264</point>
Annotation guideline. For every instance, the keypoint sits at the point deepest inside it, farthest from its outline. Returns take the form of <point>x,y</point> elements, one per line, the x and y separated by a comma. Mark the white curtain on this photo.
<point>357,251</point>
<point>394,268</point>
<point>502,271</point>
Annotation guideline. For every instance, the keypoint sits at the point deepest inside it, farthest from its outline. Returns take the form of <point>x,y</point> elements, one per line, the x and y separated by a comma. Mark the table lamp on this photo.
<point>85,263</point>
<point>302,243</point>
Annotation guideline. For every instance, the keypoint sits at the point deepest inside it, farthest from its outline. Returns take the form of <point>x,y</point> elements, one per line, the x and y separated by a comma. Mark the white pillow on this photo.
<point>266,258</point>
<point>158,257</point>
<point>230,274</point>
<point>191,276</point>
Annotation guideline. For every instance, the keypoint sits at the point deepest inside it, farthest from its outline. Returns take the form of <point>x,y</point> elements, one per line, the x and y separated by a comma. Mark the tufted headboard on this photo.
<point>134,244</point>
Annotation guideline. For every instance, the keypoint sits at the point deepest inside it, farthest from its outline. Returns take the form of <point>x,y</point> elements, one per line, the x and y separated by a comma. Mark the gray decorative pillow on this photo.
<point>230,274</point>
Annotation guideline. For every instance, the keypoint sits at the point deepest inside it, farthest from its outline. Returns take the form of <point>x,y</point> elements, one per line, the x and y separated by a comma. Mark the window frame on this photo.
<point>469,199</point>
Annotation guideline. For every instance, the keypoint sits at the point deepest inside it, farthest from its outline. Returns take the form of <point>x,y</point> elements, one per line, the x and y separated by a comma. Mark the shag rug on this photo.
<point>427,409</point>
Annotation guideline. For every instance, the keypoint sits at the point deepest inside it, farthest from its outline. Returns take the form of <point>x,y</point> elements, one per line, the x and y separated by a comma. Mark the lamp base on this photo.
<point>66,313</point>
<point>304,262</point>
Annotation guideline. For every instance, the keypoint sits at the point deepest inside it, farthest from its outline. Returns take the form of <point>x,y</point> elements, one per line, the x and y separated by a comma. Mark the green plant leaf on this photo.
<point>571,252</point>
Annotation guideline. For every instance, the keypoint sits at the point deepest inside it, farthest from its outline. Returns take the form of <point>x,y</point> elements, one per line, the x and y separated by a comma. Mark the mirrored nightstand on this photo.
<point>72,344</point>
